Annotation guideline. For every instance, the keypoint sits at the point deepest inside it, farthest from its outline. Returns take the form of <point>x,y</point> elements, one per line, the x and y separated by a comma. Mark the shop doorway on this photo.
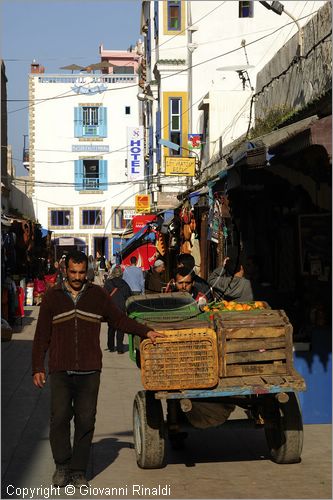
<point>101,245</point>
<point>65,244</point>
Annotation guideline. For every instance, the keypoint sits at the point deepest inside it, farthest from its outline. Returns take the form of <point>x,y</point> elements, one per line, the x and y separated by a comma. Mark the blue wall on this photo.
<point>315,366</point>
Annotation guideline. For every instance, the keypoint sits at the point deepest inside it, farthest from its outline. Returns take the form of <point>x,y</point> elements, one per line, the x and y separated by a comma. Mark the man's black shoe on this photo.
<point>79,479</point>
<point>120,350</point>
<point>61,476</point>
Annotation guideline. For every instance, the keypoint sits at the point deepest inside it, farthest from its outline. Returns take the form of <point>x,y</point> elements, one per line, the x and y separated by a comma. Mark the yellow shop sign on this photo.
<point>179,166</point>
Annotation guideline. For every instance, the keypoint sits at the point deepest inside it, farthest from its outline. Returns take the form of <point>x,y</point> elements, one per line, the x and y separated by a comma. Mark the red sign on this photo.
<point>139,221</point>
<point>146,255</point>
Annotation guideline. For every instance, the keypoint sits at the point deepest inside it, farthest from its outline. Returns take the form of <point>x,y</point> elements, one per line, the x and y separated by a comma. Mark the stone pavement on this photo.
<point>227,462</point>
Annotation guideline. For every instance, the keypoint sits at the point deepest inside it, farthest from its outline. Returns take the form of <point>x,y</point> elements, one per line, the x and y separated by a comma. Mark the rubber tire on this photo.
<point>285,437</point>
<point>149,431</point>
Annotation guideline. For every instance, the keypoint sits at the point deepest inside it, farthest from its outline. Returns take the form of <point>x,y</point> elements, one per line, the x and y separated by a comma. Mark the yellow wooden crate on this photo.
<point>183,359</point>
<point>254,343</point>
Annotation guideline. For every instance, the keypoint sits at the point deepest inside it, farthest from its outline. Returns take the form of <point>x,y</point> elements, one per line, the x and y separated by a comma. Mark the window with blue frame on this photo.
<point>175,123</point>
<point>174,15</point>
<point>92,218</point>
<point>60,218</point>
<point>90,121</point>
<point>246,9</point>
<point>90,175</point>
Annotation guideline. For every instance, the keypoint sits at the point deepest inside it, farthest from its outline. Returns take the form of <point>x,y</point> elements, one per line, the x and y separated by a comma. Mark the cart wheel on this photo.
<point>149,432</point>
<point>284,430</point>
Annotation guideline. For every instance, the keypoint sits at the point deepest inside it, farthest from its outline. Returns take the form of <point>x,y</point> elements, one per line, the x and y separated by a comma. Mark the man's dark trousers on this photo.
<point>73,395</point>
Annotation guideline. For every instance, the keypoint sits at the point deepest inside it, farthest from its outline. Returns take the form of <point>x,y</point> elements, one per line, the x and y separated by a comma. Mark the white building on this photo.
<point>84,169</point>
<point>201,62</point>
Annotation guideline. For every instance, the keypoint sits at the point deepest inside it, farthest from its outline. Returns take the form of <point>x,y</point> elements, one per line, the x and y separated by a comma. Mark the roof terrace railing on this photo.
<point>85,79</point>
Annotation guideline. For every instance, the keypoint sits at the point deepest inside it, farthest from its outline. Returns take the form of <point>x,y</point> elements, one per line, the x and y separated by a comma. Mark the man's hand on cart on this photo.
<point>152,335</point>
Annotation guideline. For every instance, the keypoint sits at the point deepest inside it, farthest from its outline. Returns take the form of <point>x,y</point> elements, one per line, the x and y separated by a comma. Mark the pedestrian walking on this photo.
<point>100,268</point>
<point>68,327</point>
<point>119,291</point>
<point>133,275</point>
<point>92,269</point>
<point>61,269</point>
<point>154,282</point>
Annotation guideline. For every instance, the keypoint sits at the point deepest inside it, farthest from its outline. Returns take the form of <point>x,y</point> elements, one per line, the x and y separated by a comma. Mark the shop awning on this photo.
<point>6,222</point>
<point>145,235</point>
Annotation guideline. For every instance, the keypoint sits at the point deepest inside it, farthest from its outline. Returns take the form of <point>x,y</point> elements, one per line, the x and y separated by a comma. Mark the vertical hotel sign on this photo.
<point>135,158</point>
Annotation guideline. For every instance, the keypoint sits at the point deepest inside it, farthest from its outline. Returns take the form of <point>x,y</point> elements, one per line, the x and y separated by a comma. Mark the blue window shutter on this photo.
<point>148,51</point>
<point>103,175</point>
<point>78,122</point>
<point>158,136</point>
<point>78,175</point>
<point>151,147</point>
<point>102,122</point>
<point>156,18</point>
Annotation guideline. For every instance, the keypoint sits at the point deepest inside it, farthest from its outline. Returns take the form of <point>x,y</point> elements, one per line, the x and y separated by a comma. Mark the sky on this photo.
<point>56,34</point>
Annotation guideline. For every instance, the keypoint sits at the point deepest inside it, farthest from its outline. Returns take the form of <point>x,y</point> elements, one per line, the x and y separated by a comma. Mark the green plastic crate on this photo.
<point>159,308</point>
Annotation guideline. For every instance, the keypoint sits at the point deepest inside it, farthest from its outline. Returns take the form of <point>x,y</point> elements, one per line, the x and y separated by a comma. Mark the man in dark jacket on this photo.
<point>229,283</point>
<point>68,327</point>
<point>119,291</point>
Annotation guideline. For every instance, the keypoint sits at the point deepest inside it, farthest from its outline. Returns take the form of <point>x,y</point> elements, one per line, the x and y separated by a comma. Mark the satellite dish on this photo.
<point>240,67</point>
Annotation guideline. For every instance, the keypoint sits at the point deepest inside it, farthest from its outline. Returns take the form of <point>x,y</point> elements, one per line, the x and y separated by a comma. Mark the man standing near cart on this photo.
<point>133,275</point>
<point>68,327</point>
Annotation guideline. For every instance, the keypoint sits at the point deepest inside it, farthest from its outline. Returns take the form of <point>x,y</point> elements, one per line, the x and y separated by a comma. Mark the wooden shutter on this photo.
<point>78,175</point>
<point>103,175</point>
<point>102,122</point>
<point>78,122</point>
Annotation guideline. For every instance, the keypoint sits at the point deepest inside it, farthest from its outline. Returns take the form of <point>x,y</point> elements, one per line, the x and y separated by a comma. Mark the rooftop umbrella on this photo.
<point>100,65</point>
<point>73,67</point>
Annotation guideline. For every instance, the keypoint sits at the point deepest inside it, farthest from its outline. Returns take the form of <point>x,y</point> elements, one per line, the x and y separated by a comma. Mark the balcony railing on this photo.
<point>85,79</point>
<point>89,183</point>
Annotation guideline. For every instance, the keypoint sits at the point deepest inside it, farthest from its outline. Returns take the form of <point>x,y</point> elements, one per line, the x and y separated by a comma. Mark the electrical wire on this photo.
<point>62,96</point>
<point>121,149</point>
<point>187,28</point>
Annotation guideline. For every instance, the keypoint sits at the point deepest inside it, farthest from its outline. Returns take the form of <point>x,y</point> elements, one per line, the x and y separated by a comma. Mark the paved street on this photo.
<point>217,463</point>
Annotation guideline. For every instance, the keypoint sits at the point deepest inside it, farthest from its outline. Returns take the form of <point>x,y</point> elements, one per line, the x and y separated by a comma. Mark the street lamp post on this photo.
<point>278,8</point>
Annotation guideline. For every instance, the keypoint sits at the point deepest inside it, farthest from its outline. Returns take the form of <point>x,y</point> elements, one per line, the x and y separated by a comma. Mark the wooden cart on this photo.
<point>210,363</point>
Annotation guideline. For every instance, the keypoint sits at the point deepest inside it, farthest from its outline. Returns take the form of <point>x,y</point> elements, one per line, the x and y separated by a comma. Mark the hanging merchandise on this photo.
<point>185,215</point>
<point>160,245</point>
<point>29,294</point>
<point>186,247</point>
<point>193,225</point>
<point>187,232</point>
<point>216,220</point>
<point>196,252</point>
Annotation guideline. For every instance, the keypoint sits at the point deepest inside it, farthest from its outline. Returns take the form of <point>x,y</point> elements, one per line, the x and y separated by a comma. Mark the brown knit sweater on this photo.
<point>70,332</point>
